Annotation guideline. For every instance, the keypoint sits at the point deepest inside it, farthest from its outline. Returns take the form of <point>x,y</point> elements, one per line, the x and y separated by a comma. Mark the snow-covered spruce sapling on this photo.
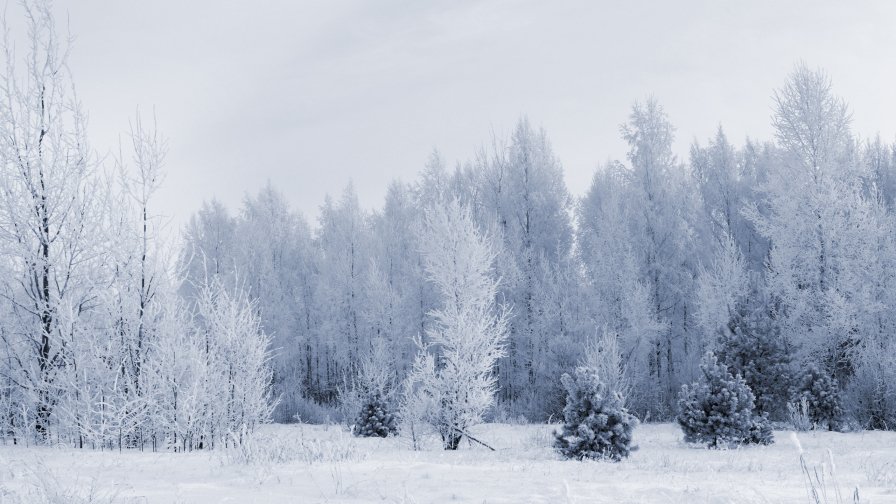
<point>375,419</point>
<point>719,411</point>
<point>370,395</point>
<point>753,347</point>
<point>596,423</point>
<point>822,394</point>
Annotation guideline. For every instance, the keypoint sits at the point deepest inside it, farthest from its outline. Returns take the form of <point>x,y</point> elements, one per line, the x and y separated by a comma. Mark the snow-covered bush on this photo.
<point>414,408</point>
<point>719,411</point>
<point>208,373</point>
<point>822,393</point>
<point>311,412</point>
<point>596,423</point>
<point>266,447</point>
<point>238,362</point>
<point>798,415</point>
<point>42,485</point>
<point>871,394</point>
<point>603,356</point>
<point>375,419</point>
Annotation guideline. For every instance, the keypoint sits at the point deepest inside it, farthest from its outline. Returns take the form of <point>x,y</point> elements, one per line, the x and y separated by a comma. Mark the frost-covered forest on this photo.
<point>464,297</point>
<point>777,254</point>
<point>716,325</point>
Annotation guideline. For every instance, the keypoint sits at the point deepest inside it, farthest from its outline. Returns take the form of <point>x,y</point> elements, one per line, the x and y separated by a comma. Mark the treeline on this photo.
<point>777,255</point>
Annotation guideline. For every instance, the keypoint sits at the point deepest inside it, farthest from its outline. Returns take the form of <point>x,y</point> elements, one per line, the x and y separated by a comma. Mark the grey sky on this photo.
<point>313,94</point>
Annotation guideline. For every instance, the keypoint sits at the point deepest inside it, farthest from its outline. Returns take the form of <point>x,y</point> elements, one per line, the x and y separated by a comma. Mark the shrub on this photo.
<point>292,445</point>
<point>597,425</point>
<point>375,419</point>
<point>871,394</point>
<point>719,411</point>
<point>798,413</point>
<point>822,393</point>
<point>311,412</point>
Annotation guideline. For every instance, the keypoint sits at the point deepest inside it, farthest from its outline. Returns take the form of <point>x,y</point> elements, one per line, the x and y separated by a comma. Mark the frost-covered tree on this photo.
<point>753,347</point>
<point>209,246</point>
<point>219,373</point>
<point>871,396</point>
<point>879,159</point>
<point>740,323</point>
<point>274,262</point>
<point>50,219</point>
<point>662,228</point>
<point>822,395</point>
<point>602,355</point>
<point>208,371</point>
<point>727,179</point>
<point>718,410</point>
<point>267,250</point>
<point>397,296</point>
<point>519,190</point>
<point>715,168</point>
<point>139,267</point>
<point>596,423</point>
<point>174,375</point>
<point>634,237</point>
<point>824,231</point>
<point>720,287</point>
<point>454,372</point>
<point>618,298</point>
<point>342,238</point>
<point>812,124</point>
<point>107,402</point>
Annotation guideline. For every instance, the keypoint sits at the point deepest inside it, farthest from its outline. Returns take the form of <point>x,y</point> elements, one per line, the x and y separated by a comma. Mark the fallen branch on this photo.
<point>471,438</point>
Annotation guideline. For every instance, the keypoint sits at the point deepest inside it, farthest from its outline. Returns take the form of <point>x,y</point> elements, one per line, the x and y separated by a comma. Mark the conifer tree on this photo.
<point>375,419</point>
<point>719,411</point>
<point>822,394</point>
<point>596,423</point>
<point>754,348</point>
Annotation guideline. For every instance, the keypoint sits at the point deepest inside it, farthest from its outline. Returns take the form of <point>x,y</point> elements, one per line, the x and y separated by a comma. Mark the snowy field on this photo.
<point>302,463</point>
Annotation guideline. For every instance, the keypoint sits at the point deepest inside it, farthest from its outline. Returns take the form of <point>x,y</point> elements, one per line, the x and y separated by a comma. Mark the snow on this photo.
<point>305,463</point>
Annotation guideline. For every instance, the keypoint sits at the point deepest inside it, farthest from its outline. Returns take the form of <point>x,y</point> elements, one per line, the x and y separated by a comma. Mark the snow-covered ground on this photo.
<point>303,463</point>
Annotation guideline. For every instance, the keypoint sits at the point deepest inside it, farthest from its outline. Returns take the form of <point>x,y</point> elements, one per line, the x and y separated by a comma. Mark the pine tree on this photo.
<point>596,423</point>
<point>754,348</point>
<point>719,410</point>
<point>375,419</point>
<point>822,394</point>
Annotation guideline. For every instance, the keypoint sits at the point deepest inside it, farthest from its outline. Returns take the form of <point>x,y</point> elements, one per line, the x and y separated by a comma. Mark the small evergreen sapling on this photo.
<point>754,348</point>
<point>822,394</point>
<point>371,393</point>
<point>596,423</point>
<point>375,418</point>
<point>718,411</point>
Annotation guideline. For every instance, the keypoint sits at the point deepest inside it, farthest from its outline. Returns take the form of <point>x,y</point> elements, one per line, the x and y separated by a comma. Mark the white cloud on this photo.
<point>312,94</point>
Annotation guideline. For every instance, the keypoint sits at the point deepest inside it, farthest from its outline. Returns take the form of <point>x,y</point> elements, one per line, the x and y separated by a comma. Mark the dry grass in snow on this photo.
<point>304,463</point>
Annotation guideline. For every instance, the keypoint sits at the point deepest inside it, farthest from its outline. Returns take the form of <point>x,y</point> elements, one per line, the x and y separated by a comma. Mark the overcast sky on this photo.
<point>312,94</point>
